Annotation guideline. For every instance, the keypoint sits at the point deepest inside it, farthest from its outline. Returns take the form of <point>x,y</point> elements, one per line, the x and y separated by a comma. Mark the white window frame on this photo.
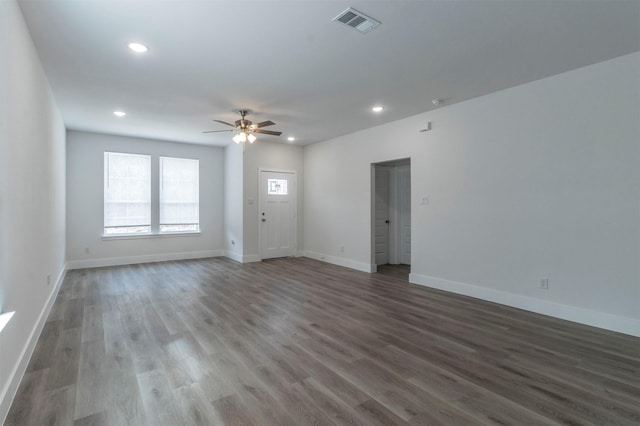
<point>161,181</point>
<point>155,203</point>
<point>107,183</point>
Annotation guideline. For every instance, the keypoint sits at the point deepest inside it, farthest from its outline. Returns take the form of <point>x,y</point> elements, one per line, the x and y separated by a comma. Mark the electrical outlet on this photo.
<point>87,250</point>
<point>341,249</point>
<point>48,279</point>
<point>233,242</point>
<point>544,283</point>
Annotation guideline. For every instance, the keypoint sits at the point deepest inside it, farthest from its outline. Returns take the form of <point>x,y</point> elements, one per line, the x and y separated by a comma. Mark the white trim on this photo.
<point>129,260</point>
<point>10,389</point>
<point>589,317</point>
<point>233,255</point>
<point>239,257</point>
<point>107,237</point>
<point>271,169</point>
<point>341,261</point>
<point>249,258</point>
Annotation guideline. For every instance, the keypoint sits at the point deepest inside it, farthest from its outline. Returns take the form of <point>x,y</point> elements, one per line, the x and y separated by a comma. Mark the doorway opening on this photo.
<point>391,214</point>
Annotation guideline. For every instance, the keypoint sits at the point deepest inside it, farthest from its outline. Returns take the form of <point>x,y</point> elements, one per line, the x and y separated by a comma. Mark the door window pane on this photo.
<point>276,186</point>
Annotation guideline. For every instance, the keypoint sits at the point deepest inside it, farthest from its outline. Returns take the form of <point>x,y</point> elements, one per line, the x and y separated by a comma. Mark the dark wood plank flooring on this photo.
<point>299,342</point>
<point>400,272</point>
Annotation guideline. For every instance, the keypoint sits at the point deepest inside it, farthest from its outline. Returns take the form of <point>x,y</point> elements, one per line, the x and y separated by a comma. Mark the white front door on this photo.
<point>277,214</point>
<point>382,215</point>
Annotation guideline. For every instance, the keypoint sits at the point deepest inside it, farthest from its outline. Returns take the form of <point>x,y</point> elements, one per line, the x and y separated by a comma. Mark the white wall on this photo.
<point>85,175</point>
<point>275,156</point>
<point>233,216</point>
<point>32,193</point>
<point>540,180</point>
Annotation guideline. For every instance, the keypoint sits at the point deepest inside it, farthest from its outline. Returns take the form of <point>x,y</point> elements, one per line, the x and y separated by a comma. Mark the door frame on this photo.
<point>372,201</point>
<point>261,202</point>
<point>395,214</point>
<point>389,171</point>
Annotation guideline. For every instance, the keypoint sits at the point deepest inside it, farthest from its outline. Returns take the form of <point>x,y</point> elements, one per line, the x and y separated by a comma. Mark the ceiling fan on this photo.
<point>245,129</point>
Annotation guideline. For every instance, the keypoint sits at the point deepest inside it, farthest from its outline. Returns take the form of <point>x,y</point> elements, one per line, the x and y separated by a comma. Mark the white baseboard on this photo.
<point>233,255</point>
<point>129,260</point>
<point>239,257</point>
<point>249,258</point>
<point>341,261</point>
<point>10,389</point>
<point>598,319</point>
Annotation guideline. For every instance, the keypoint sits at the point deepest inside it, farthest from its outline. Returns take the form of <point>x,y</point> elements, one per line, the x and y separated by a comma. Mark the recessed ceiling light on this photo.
<point>138,47</point>
<point>378,108</point>
<point>119,113</point>
<point>291,139</point>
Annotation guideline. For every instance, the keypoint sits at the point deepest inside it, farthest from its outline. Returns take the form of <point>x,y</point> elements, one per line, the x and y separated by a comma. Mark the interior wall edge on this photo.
<point>9,392</point>
<point>584,316</point>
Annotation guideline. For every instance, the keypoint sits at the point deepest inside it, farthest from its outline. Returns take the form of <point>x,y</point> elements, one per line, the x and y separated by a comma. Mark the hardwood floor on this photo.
<point>298,342</point>
<point>400,272</point>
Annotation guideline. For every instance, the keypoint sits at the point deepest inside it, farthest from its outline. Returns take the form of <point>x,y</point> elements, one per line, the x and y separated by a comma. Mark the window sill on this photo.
<point>146,236</point>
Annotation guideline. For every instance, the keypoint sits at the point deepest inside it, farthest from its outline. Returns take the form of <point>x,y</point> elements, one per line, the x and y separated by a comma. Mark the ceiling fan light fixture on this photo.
<point>245,129</point>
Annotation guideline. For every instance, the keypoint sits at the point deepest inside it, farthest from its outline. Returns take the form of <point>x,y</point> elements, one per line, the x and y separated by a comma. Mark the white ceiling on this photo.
<point>289,63</point>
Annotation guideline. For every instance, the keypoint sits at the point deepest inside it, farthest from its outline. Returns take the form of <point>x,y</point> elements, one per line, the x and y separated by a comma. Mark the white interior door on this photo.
<point>403,175</point>
<point>277,214</point>
<point>382,215</point>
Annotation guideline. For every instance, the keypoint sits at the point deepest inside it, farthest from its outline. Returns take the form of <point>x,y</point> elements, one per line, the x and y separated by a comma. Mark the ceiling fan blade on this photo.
<point>267,132</point>
<point>217,131</point>
<point>264,124</point>
<point>224,122</point>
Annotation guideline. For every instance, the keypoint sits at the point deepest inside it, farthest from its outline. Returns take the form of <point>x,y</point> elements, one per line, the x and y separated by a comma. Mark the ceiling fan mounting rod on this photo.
<point>244,124</point>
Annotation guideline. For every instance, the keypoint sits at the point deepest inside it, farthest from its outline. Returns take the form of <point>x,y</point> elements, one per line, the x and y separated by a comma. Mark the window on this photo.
<point>179,195</point>
<point>128,204</point>
<point>127,193</point>
<point>276,186</point>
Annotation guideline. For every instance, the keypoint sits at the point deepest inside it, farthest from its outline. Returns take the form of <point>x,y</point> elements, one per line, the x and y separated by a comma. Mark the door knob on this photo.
<point>386,221</point>
<point>264,220</point>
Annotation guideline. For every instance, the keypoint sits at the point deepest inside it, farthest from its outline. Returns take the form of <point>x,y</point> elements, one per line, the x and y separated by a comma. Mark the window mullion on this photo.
<point>155,194</point>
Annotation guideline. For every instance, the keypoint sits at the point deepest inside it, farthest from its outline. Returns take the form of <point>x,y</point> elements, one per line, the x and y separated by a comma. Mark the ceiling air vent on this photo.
<point>356,20</point>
